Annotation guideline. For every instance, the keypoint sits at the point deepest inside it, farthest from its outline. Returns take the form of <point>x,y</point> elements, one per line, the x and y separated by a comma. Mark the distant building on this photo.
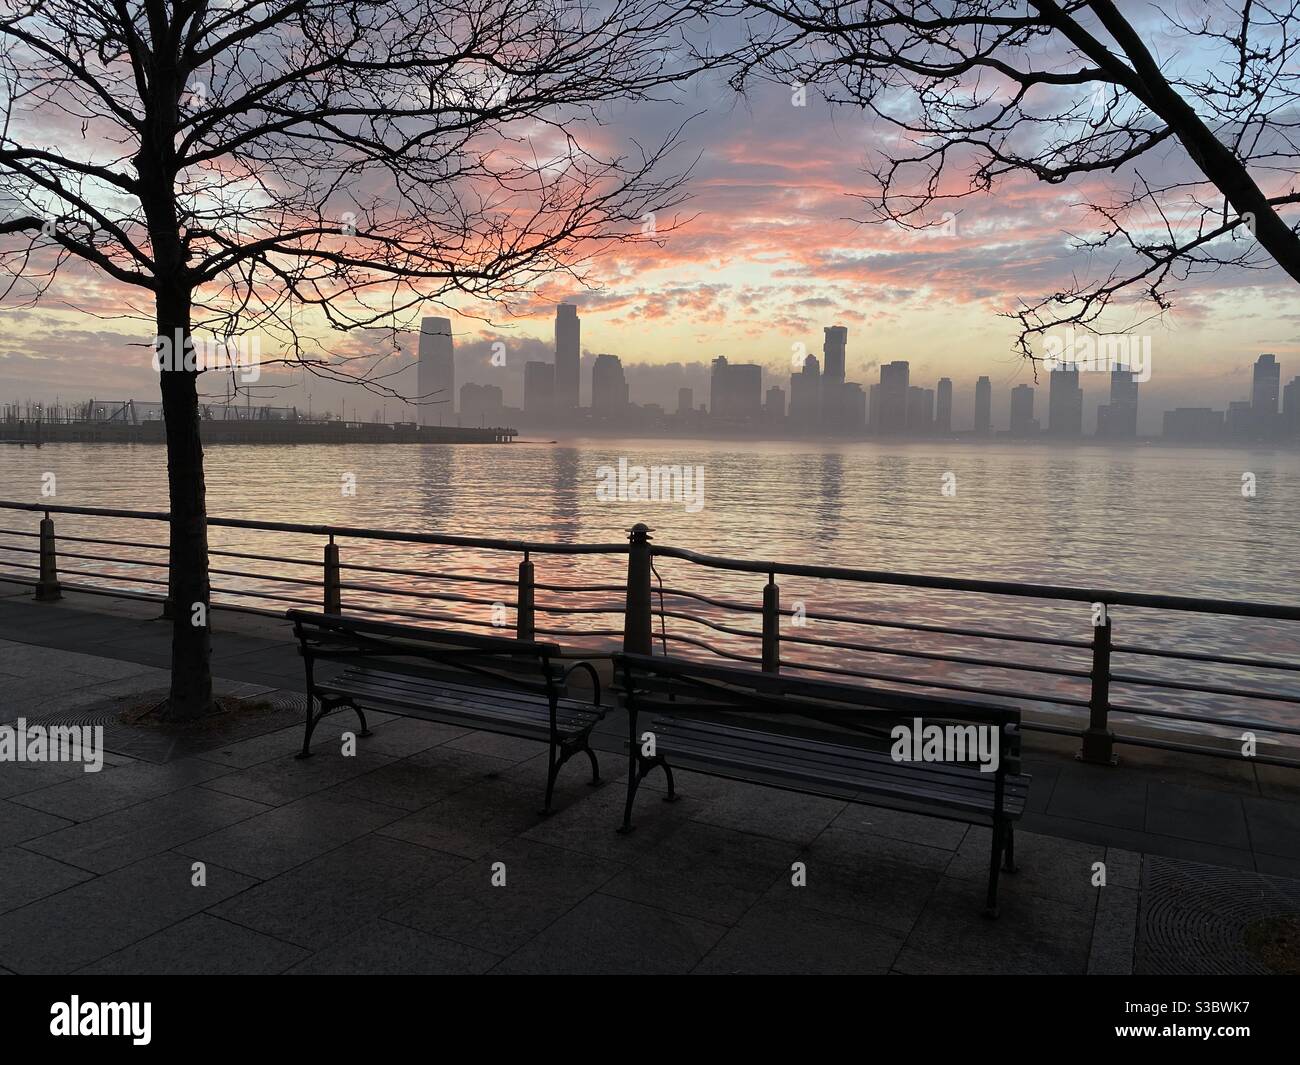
<point>774,406</point>
<point>1193,424</point>
<point>892,398</point>
<point>608,386</point>
<point>852,416</point>
<point>1064,404</point>
<point>983,407</point>
<point>735,391</point>
<point>481,405</point>
<point>1240,420</point>
<point>568,344</point>
<point>920,410</point>
<point>539,389</point>
<point>943,407</point>
<point>435,375</point>
<point>833,349</point>
<point>806,395</point>
<point>1117,420</point>
<point>685,401</point>
<point>1023,422</point>
<point>1291,409</point>
<point>1264,394</point>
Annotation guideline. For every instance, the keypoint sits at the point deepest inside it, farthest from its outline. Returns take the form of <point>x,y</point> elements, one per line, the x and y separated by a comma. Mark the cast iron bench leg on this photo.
<point>995,861</point>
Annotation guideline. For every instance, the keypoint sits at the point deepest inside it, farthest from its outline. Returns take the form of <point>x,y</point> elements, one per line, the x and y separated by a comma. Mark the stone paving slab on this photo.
<point>593,937</point>
<point>326,898</point>
<point>382,948</point>
<point>65,931</point>
<point>26,876</point>
<point>287,836</point>
<point>122,837</point>
<point>782,937</point>
<point>83,795</point>
<point>201,945</point>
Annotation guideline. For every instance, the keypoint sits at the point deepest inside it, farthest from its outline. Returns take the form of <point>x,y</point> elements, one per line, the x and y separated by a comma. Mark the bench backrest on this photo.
<point>527,665</point>
<point>674,687</point>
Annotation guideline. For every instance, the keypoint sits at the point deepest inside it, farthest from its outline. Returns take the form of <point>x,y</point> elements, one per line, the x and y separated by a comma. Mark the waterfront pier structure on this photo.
<point>255,431</point>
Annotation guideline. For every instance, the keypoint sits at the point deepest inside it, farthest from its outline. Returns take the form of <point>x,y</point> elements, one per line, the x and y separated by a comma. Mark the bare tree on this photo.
<point>1193,104</point>
<point>273,168</point>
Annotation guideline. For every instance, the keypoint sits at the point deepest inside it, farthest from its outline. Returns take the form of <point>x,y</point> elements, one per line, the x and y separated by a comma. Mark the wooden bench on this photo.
<point>824,738</point>
<point>497,684</point>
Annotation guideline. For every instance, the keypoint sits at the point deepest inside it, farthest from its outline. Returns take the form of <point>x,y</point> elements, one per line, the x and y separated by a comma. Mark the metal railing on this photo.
<point>1190,693</point>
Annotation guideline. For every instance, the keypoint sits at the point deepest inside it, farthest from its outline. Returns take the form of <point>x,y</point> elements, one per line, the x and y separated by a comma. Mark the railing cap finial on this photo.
<point>640,533</point>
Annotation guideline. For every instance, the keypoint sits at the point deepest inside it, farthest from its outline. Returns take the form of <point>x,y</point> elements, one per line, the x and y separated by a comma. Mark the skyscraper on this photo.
<point>481,404</point>
<point>735,391</point>
<point>774,405</point>
<point>806,395</point>
<point>1239,420</point>
<point>568,344</point>
<point>833,347</point>
<point>539,389</point>
<point>892,397</point>
<point>435,372</point>
<point>1117,420</point>
<point>1291,409</point>
<point>1264,394</point>
<point>608,386</point>
<point>1064,403</point>
<point>943,406</point>
<point>1023,422</point>
<point>920,410</point>
<point>685,401</point>
<point>983,407</point>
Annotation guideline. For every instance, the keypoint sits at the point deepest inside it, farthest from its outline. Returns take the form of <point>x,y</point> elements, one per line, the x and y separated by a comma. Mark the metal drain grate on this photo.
<point>151,744</point>
<point>1193,917</point>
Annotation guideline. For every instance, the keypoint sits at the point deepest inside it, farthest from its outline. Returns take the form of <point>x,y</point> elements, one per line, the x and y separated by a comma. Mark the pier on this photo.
<point>253,431</point>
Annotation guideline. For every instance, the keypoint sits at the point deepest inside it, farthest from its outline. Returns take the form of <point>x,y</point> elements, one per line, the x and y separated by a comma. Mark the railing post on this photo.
<point>524,615</point>
<point>771,626</point>
<point>1098,740</point>
<point>636,615</point>
<point>47,587</point>
<point>333,593</point>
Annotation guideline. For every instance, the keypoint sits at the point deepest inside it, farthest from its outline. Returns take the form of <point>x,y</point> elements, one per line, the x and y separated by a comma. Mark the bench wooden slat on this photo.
<point>800,748</point>
<point>451,689</point>
<point>862,778</point>
<point>465,704</point>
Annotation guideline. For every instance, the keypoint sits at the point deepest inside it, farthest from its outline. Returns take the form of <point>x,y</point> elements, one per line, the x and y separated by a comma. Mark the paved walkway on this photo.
<point>384,862</point>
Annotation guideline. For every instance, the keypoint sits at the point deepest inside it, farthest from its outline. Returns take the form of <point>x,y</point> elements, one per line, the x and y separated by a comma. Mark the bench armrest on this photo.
<point>595,678</point>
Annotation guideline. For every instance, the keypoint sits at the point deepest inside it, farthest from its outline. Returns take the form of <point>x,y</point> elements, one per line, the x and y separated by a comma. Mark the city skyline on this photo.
<point>504,365</point>
<point>1066,402</point>
<point>817,398</point>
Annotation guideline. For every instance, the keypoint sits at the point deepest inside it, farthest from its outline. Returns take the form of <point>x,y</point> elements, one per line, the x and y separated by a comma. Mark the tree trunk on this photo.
<point>191,681</point>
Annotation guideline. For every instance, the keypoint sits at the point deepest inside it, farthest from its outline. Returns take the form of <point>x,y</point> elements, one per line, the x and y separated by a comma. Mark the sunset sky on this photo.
<point>768,254</point>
